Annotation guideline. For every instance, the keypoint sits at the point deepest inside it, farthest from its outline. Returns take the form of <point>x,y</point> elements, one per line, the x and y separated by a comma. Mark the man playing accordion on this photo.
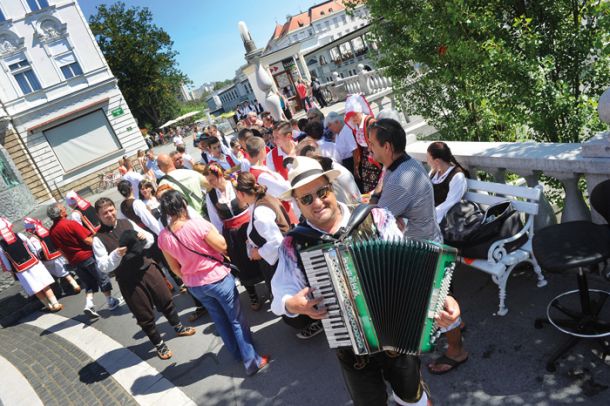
<point>364,376</point>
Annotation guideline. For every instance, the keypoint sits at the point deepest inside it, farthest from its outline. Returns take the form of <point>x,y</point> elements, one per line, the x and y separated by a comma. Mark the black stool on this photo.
<point>580,246</point>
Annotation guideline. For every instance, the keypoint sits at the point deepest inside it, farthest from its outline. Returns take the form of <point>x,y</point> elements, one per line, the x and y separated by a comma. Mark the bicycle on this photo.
<point>107,181</point>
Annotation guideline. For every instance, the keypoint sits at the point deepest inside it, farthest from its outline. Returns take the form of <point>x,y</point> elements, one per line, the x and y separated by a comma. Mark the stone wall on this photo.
<point>26,168</point>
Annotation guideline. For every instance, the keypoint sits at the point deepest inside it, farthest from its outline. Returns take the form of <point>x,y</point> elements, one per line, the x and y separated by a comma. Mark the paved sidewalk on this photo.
<point>506,364</point>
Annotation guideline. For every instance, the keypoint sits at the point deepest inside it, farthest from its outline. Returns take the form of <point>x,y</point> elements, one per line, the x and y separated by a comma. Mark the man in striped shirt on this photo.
<point>407,192</point>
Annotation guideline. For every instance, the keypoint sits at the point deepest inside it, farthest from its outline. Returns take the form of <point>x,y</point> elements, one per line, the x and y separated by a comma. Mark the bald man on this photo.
<point>192,184</point>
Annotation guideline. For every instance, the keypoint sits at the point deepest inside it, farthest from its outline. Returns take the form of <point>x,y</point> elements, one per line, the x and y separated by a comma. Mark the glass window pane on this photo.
<point>33,5</point>
<point>67,71</point>
<point>2,16</point>
<point>23,83</point>
<point>76,69</point>
<point>31,77</point>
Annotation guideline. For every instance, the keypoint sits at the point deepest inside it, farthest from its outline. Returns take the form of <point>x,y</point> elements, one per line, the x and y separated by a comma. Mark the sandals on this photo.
<point>445,360</point>
<point>164,352</point>
<point>54,308</point>
<point>185,331</point>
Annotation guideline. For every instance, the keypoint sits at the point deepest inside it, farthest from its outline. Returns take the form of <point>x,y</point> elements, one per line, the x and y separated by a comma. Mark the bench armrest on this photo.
<point>497,251</point>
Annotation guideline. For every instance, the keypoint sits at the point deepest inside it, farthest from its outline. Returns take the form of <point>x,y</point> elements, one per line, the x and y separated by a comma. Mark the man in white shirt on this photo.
<point>177,140</point>
<point>345,144</point>
<point>134,178</point>
<point>285,147</point>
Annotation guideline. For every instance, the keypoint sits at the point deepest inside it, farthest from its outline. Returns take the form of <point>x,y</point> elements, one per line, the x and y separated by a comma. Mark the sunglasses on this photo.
<point>321,193</point>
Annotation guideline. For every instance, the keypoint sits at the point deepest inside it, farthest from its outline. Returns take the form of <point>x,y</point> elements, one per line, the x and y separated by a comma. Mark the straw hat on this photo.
<point>304,170</point>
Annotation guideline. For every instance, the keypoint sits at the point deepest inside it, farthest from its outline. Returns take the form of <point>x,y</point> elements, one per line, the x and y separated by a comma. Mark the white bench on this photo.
<point>499,262</point>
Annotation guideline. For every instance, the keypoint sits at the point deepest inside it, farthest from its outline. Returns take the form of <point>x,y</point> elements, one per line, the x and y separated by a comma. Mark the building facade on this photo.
<point>66,119</point>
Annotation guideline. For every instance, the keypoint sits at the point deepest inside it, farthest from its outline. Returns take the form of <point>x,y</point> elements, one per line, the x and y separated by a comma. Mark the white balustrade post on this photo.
<point>363,80</point>
<point>546,214</point>
<point>574,206</point>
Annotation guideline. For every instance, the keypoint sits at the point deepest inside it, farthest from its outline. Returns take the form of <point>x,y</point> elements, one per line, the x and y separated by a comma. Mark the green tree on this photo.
<point>223,83</point>
<point>141,57</point>
<point>498,69</point>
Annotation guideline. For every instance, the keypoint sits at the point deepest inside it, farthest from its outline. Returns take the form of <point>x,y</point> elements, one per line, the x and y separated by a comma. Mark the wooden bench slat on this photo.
<point>525,207</point>
<point>523,192</point>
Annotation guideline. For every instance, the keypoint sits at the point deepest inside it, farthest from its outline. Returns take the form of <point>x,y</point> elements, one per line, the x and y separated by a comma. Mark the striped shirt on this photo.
<point>407,193</point>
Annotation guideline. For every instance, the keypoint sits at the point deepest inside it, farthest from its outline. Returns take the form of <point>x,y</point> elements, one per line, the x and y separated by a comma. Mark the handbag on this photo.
<point>234,269</point>
<point>461,221</point>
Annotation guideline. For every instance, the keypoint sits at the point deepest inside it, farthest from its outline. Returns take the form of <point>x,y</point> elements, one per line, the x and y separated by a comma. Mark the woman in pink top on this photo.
<point>194,250</point>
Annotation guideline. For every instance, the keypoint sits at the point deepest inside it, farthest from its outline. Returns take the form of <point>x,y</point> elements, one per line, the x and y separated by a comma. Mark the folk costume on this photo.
<point>39,242</point>
<point>269,222</point>
<point>232,218</point>
<point>138,277</point>
<point>82,212</point>
<point>16,257</point>
<point>368,169</point>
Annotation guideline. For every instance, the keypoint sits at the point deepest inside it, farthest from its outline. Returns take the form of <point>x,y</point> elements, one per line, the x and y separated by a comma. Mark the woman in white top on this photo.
<point>269,222</point>
<point>449,183</point>
<point>231,217</point>
<point>448,178</point>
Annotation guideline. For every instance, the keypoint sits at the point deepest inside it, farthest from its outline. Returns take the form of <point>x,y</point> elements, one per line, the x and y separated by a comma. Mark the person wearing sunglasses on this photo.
<point>365,377</point>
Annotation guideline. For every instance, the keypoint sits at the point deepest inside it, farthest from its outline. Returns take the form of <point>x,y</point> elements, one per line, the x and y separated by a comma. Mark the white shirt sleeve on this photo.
<point>212,213</point>
<point>6,264</point>
<point>32,246</point>
<point>269,161</point>
<point>457,189</point>
<point>108,262</point>
<point>264,223</point>
<point>287,281</point>
<point>345,142</point>
<point>150,239</point>
<point>76,216</point>
<point>146,216</point>
<point>105,262</point>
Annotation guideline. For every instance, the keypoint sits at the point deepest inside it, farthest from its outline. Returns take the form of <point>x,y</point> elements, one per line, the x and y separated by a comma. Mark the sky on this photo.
<point>205,32</point>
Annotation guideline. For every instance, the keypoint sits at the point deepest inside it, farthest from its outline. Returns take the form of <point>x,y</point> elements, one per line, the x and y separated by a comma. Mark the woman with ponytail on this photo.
<point>448,178</point>
<point>449,183</point>
<point>269,222</point>
<point>231,217</point>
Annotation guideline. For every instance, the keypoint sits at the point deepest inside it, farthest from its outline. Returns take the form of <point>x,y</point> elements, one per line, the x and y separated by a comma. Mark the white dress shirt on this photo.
<point>345,144</point>
<point>108,262</point>
<point>263,219</point>
<point>457,190</point>
<point>139,207</point>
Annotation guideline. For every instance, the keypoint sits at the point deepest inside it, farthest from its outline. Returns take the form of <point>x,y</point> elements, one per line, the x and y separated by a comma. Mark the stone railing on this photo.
<point>372,82</point>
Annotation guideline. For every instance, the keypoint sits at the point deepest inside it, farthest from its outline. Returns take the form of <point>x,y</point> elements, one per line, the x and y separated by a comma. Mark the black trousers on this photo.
<point>144,289</point>
<point>365,376</point>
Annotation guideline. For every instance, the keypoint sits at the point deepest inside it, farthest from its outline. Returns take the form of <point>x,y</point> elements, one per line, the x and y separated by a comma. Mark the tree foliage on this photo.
<point>498,69</point>
<point>141,57</point>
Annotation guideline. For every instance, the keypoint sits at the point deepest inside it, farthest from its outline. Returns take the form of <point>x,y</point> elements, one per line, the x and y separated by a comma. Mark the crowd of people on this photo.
<point>200,224</point>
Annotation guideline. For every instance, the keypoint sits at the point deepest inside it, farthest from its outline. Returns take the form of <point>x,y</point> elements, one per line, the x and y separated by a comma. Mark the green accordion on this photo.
<point>381,294</point>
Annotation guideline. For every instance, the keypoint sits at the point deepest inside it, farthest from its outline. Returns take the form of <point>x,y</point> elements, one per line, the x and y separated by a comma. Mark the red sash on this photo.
<point>237,221</point>
<point>278,163</point>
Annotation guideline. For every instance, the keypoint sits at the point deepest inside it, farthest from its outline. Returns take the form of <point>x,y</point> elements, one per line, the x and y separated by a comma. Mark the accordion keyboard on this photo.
<point>319,279</point>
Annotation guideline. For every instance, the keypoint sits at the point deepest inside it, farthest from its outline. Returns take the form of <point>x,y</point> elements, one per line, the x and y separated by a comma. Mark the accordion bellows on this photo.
<point>381,295</point>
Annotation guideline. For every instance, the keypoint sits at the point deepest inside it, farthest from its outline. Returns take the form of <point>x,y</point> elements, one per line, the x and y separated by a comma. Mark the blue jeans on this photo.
<point>222,301</point>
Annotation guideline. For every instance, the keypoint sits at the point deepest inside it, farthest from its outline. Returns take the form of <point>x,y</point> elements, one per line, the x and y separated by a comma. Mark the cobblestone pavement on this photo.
<point>59,372</point>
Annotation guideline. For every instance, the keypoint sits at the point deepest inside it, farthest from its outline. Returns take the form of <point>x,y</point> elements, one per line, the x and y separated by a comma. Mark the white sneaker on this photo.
<point>310,331</point>
<point>90,311</point>
<point>113,303</point>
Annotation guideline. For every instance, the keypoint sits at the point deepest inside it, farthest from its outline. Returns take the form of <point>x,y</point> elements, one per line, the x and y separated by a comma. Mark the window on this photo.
<point>37,4</point>
<point>2,18</point>
<point>24,75</point>
<point>82,140</point>
<point>68,65</point>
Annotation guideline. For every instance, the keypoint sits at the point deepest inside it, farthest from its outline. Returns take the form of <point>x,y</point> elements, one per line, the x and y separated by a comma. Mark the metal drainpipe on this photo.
<point>25,147</point>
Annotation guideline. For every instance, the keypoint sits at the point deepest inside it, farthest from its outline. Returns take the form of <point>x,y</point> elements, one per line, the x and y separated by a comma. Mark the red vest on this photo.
<point>278,162</point>
<point>18,254</point>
